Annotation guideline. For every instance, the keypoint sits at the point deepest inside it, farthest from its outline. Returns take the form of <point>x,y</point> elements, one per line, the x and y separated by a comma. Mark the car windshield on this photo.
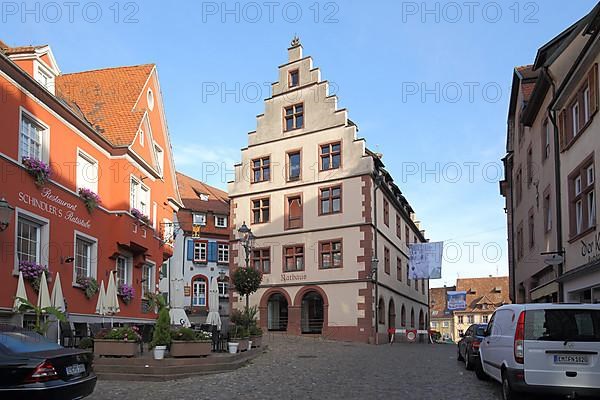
<point>563,325</point>
<point>26,342</point>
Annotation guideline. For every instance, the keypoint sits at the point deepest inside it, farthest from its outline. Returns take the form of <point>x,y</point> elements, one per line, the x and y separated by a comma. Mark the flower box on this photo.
<point>115,348</point>
<point>256,341</point>
<point>180,348</point>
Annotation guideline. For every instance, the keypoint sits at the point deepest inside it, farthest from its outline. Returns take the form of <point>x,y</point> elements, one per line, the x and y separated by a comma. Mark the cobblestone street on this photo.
<point>304,368</point>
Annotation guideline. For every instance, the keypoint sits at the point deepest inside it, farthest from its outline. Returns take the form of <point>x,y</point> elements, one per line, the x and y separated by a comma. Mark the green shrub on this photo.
<point>86,343</point>
<point>162,330</point>
<point>183,334</point>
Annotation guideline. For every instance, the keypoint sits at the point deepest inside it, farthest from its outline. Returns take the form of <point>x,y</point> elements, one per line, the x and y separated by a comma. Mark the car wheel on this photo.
<point>458,356</point>
<point>468,362</point>
<point>479,372</point>
<point>507,392</point>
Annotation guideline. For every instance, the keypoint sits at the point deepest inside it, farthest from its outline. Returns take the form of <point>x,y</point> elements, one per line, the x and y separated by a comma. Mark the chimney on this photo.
<point>295,51</point>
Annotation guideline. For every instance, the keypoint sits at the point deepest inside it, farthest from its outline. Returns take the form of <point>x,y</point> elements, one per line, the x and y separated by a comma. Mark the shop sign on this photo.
<point>293,277</point>
<point>591,249</point>
<point>53,204</point>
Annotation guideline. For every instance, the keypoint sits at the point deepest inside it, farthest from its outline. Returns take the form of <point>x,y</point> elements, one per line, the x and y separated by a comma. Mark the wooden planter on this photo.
<point>256,341</point>
<point>243,344</point>
<point>115,348</point>
<point>181,348</point>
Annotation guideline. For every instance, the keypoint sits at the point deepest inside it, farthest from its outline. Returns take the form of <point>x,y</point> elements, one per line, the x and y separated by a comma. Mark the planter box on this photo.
<point>243,344</point>
<point>256,341</point>
<point>116,348</point>
<point>190,349</point>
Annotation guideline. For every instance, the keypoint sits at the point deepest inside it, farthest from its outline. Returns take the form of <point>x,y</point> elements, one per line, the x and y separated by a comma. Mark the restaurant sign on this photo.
<point>53,204</point>
<point>590,250</point>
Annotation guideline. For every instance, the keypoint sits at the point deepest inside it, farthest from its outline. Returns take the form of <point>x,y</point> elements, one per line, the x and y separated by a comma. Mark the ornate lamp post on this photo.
<point>6,213</point>
<point>374,269</point>
<point>247,240</point>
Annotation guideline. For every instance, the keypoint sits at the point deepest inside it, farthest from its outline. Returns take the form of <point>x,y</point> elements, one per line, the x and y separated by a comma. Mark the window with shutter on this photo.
<point>294,212</point>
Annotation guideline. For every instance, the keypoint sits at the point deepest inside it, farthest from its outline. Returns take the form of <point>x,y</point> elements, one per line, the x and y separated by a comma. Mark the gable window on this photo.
<point>261,260</point>
<point>45,78</point>
<point>160,158</point>
<point>260,210</point>
<point>223,253</point>
<point>261,169</point>
<point>87,172</point>
<point>386,260</point>
<point>84,257</point>
<point>582,207</point>
<point>294,117</point>
<point>331,156</point>
<point>31,138</point>
<point>294,78</point>
<point>386,212</point>
<point>123,271</point>
<point>199,292</point>
<point>147,280</point>
<point>141,135</point>
<point>330,200</point>
<point>293,257</point>
<point>200,251</point>
<point>399,269</point>
<point>150,99</point>
<point>294,165</point>
<point>330,254</point>
<point>220,221</point>
<point>293,212</point>
<point>139,196</point>
<point>199,219</point>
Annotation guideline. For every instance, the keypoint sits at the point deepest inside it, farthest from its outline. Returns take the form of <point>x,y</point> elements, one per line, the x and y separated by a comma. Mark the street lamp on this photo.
<point>247,240</point>
<point>374,265</point>
<point>6,213</point>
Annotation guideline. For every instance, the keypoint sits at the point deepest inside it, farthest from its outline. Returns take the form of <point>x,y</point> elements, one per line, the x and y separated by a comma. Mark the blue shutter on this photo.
<point>190,250</point>
<point>212,252</point>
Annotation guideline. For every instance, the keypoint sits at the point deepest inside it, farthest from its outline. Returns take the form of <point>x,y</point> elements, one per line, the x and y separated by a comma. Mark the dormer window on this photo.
<point>294,78</point>
<point>199,219</point>
<point>45,78</point>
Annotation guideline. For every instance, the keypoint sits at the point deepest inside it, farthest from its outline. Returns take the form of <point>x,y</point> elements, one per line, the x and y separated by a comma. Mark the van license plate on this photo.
<point>571,359</point>
<point>75,369</point>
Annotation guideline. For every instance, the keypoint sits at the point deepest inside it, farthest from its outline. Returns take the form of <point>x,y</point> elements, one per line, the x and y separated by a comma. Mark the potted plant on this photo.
<point>256,335</point>
<point>41,323</point>
<point>89,286</point>
<point>126,293</point>
<point>32,272</point>
<point>90,199</point>
<point>186,342</point>
<point>117,342</point>
<point>234,343</point>
<point>39,170</point>
<point>140,216</point>
<point>162,334</point>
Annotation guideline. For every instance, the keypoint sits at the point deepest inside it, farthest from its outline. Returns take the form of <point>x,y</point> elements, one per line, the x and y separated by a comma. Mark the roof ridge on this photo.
<point>109,68</point>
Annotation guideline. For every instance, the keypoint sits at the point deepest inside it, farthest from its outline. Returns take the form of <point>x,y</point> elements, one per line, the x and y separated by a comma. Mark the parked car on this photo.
<point>468,345</point>
<point>32,367</point>
<point>543,349</point>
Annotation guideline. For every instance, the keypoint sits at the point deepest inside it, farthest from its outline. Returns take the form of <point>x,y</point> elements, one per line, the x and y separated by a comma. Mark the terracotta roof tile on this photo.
<point>190,190</point>
<point>107,98</point>
<point>482,291</point>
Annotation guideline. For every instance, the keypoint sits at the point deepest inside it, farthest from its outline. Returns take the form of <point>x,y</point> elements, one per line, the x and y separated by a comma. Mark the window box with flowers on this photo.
<point>126,293</point>
<point>88,285</point>
<point>32,272</point>
<point>39,170</point>
<point>188,343</point>
<point>140,216</point>
<point>117,342</point>
<point>90,199</point>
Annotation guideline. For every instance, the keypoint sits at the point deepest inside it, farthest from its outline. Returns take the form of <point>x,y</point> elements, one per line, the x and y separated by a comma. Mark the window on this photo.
<point>330,200</point>
<point>293,212</point>
<point>563,325</point>
<point>83,258</point>
<point>470,319</point>
<point>200,251</point>
<point>520,244</point>
<point>398,227</point>
<point>546,140</point>
<point>31,138</point>
<point>260,210</point>
<point>293,258</point>
<point>386,212</point>
<point>150,98</point>
<point>28,241</point>
<point>331,156</point>
<point>294,117</point>
<point>531,218</point>
<point>147,280</point>
<point>484,319</point>
<point>582,198</point>
<point>446,324</point>
<point>434,324</point>
<point>407,275</point>
<point>330,254</point>
<point>141,135</point>
<point>223,288</point>
<point>261,260</point>
<point>45,78</point>
<point>519,184</point>
<point>575,118</point>
<point>399,269</point>
<point>294,78</point>
<point>220,221</point>
<point>586,105</point>
<point>139,196</point>
<point>261,170</point>
<point>423,286</point>
<point>199,219</point>
<point>529,166</point>
<point>123,271</point>
<point>407,235</point>
<point>460,319</point>
<point>381,311</point>
<point>160,158</point>
<point>386,260</point>
<point>199,292</point>
<point>294,166</point>
<point>547,213</point>
<point>87,172</point>
<point>223,253</point>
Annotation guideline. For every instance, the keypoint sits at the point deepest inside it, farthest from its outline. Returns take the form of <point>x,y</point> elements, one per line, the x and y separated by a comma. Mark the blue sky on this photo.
<point>427,84</point>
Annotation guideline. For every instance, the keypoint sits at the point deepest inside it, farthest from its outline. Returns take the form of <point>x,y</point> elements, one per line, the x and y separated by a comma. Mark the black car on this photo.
<point>468,346</point>
<point>32,367</point>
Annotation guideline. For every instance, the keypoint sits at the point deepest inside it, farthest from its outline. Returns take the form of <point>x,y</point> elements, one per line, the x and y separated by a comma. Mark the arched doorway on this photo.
<point>277,312</point>
<point>403,316</point>
<point>312,315</point>
<point>421,320</point>
<point>412,317</point>
<point>381,311</point>
<point>391,315</point>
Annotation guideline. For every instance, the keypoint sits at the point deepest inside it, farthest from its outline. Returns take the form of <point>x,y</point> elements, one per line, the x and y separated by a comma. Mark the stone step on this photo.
<point>163,370</point>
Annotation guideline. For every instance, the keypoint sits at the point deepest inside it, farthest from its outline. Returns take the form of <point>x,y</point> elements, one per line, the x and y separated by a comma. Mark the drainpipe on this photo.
<point>557,182</point>
<point>509,163</point>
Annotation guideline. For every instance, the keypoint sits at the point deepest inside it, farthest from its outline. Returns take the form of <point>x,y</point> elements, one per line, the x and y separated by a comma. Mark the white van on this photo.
<point>543,348</point>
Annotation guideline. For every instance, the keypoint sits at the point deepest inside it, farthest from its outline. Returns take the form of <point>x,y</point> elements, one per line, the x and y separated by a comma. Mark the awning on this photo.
<point>544,290</point>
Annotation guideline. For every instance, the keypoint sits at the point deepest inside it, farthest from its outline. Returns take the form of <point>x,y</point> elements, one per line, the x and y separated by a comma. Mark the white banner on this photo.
<point>426,260</point>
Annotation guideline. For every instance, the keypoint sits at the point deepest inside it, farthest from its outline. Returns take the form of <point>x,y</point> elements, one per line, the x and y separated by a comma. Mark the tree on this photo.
<point>41,324</point>
<point>246,281</point>
<point>162,330</point>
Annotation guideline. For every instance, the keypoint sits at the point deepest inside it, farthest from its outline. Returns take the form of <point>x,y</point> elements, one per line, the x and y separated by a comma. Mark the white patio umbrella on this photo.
<point>213,317</point>
<point>20,293</point>
<point>58,301</point>
<point>101,304</point>
<point>112,300</point>
<point>44,294</point>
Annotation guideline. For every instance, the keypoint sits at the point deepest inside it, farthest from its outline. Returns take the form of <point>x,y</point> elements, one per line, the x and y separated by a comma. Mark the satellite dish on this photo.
<point>554,259</point>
